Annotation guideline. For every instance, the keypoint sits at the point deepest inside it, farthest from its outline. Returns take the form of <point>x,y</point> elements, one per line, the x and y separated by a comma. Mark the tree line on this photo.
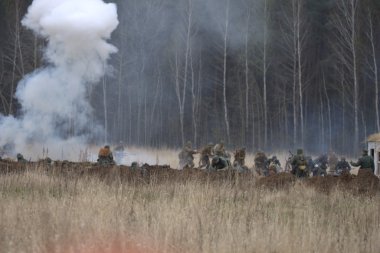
<point>264,74</point>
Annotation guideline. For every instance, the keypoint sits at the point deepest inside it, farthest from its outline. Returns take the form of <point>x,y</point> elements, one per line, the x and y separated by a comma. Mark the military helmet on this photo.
<point>107,146</point>
<point>365,152</point>
<point>210,144</point>
<point>343,158</point>
<point>300,151</point>
<point>19,156</point>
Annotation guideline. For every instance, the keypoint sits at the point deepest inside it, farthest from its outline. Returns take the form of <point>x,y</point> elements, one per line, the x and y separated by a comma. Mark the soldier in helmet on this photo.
<point>342,166</point>
<point>261,163</point>
<point>365,162</point>
<point>239,160</point>
<point>274,165</point>
<point>219,150</point>
<point>221,158</point>
<point>186,156</point>
<point>105,156</point>
<point>300,164</point>
<point>206,153</point>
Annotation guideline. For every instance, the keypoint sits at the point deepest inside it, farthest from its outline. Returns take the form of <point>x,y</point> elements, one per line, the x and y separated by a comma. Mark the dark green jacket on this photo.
<point>365,162</point>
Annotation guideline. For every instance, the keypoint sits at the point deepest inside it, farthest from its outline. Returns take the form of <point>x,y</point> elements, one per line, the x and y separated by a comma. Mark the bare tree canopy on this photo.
<point>262,74</point>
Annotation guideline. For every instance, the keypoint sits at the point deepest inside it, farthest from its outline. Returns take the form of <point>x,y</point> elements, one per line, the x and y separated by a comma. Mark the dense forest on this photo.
<point>264,74</point>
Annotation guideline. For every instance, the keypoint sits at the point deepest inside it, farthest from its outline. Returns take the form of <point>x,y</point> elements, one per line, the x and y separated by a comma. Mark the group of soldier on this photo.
<point>212,158</point>
<point>304,166</point>
<point>215,157</point>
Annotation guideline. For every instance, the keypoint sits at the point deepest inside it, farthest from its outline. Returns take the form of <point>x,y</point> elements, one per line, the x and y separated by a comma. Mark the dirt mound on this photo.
<point>323,184</point>
<point>277,181</point>
<point>366,183</point>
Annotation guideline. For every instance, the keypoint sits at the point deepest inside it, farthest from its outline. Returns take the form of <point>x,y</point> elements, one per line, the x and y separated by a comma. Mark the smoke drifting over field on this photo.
<point>55,109</point>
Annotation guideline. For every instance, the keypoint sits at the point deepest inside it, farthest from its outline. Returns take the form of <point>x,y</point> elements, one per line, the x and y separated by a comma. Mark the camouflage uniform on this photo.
<point>239,160</point>
<point>300,164</point>
<point>261,163</point>
<point>333,161</point>
<point>365,162</point>
<point>186,156</point>
<point>219,150</point>
<point>206,153</point>
<point>105,156</point>
<point>320,166</point>
<point>342,166</point>
<point>221,159</point>
<point>274,165</point>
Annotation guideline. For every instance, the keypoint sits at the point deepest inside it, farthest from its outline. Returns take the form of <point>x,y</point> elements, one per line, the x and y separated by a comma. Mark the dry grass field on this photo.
<point>48,212</point>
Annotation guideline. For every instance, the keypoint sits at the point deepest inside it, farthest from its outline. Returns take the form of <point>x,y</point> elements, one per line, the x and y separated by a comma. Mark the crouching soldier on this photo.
<point>239,161</point>
<point>365,162</point>
<point>105,156</point>
<point>206,153</point>
<point>274,165</point>
<point>342,167</point>
<point>186,157</point>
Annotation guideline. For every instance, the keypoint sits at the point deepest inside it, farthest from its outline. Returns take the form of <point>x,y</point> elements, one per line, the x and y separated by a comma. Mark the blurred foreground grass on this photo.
<point>41,213</point>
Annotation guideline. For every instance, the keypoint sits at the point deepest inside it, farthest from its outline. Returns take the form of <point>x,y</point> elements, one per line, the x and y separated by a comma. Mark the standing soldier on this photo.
<point>365,162</point>
<point>342,166</point>
<point>186,156</point>
<point>333,161</point>
<point>300,164</point>
<point>261,163</point>
<point>206,153</point>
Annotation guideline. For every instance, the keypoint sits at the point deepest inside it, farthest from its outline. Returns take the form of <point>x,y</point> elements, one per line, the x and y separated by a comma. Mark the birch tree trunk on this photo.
<point>370,35</point>
<point>225,72</point>
<point>265,68</point>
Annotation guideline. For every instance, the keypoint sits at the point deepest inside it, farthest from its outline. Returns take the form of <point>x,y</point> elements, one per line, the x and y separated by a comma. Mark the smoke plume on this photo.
<point>55,110</point>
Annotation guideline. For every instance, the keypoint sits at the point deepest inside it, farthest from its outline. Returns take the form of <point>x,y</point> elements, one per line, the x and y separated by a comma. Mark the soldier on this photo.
<point>206,153</point>
<point>300,164</point>
<point>365,162</point>
<point>105,156</point>
<point>186,156</point>
<point>261,163</point>
<point>21,159</point>
<point>333,160</point>
<point>219,150</point>
<point>239,160</point>
<point>342,166</point>
<point>274,165</point>
<point>320,166</point>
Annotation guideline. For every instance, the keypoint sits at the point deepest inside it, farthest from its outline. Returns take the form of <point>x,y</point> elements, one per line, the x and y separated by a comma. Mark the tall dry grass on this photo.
<point>41,213</point>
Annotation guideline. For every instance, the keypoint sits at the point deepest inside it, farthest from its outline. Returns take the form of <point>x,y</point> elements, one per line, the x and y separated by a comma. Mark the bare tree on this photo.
<point>225,71</point>
<point>265,70</point>
<point>373,66</point>
<point>346,33</point>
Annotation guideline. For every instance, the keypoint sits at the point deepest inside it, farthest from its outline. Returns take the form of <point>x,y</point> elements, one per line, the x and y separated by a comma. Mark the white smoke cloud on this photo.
<point>55,110</point>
